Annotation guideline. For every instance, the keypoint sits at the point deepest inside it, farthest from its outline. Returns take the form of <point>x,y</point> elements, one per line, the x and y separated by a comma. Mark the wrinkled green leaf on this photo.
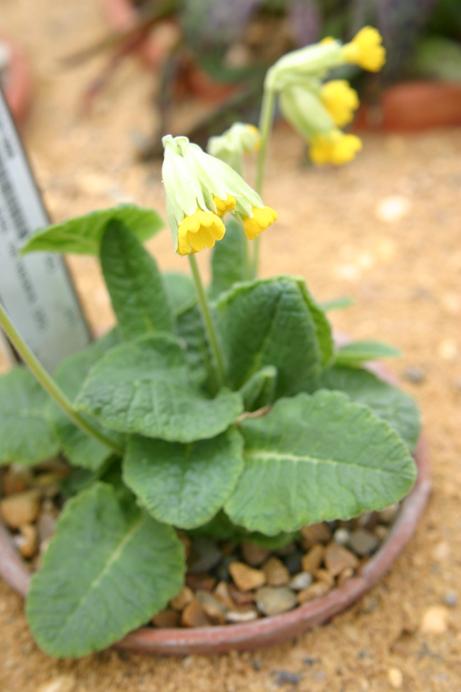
<point>259,390</point>
<point>183,485</point>
<point>317,458</point>
<point>134,283</point>
<point>107,570</point>
<point>358,352</point>
<point>144,387</point>
<point>388,402</point>
<point>180,290</point>
<point>274,322</point>
<point>229,261</point>
<point>27,435</point>
<point>189,328</point>
<point>83,234</point>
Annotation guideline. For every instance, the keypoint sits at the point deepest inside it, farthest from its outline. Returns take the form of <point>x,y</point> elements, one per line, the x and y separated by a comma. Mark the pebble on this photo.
<point>294,562</point>
<point>166,618</point>
<point>301,581</point>
<point>286,677</point>
<point>200,581</point>
<point>381,532</point>
<point>46,526</point>
<point>324,576</point>
<point>193,615</point>
<point>272,600</point>
<point>395,678</point>
<point>316,533</point>
<point>204,555</point>
<point>184,597</point>
<point>254,554</point>
<point>27,540</point>
<point>63,683</point>
<point>338,558</point>
<point>213,607</point>
<point>15,480</point>
<point>246,578</point>
<point>241,597</point>
<point>414,375</point>
<point>345,575</point>
<point>316,590</point>
<point>21,509</point>
<point>388,514</point>
<point>450,599</point>
<point>313,559</point>
<point>341,536</point>
<point>247,615</point>
<point>223,594</point>
<point>435,620</point>
<point>275,572</point>
<point>363,542</point>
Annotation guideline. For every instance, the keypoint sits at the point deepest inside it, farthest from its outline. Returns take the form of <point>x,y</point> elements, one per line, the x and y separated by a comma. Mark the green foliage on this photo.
<point>308,445</point>
<point>229,261</point>
<point>180,290</point>
<point>259,390</point>
<point>357,352</point>
<point>108,568</point>
<point>83,234</point>
<point>27,435</point>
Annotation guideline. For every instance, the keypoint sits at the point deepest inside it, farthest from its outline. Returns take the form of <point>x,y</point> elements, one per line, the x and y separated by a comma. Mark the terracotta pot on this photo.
<point>271,630</point>
<point>18,82</point>
<point>413,106</point>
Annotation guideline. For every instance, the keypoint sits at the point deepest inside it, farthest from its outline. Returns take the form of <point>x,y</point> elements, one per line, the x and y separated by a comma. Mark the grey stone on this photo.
<point>362,542</point>
<point>272,600</point>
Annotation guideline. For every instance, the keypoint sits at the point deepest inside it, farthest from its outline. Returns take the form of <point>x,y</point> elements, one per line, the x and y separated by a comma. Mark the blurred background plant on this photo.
<point>219,50</point>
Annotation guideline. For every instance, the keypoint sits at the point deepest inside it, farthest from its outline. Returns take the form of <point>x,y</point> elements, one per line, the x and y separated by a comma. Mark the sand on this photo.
<point>384,231</point>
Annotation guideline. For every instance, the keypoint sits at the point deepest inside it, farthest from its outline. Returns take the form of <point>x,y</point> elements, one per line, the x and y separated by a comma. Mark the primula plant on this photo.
<point>226,410</point>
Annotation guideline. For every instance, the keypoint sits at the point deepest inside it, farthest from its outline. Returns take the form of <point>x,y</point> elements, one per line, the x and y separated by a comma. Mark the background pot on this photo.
<point>270,630</point>
<point>18,81</point>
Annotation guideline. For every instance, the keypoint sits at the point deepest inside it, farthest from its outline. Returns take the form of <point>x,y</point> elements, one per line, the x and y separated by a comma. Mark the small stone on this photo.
<point>286,677</point>
<point>324,576</point>
<point>293,562</point>
<point>316,533</point>
<point>435,620</point>
<point>204,555</point>
<point>247,615</point>
<point>362,542</point>
<point>395,678</point>
<point>388,514</point>
<point>246,578</point>
<point>276,573</point>
<point>345,575</point>
<point>184,597</point>
<point>27,541</point>
<point>213,608</point>
<point>301,581</point>
<point>221,571</point>
<point>341,536</point>
<point>21,509</point>
<point>272,600</point>
<point>166,618</point>
<point>414,375</point>
<point>241,597</point>
<point>63,683</point>
<point>193,615</point>
<point>314,591</point>
<point>338,558</point>
<point>46,525</point>
<point>254,554</point>
<point>200,581</point>
<point>313,559</point>
<point>381,532</point>
<point>16,480</point>
<point>222,593</point>
<point>450,599</point>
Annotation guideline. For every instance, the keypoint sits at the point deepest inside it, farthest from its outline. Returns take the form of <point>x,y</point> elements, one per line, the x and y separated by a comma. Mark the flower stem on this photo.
<point>265,127</point>
<point>49,385</point>
<point>208,321</point>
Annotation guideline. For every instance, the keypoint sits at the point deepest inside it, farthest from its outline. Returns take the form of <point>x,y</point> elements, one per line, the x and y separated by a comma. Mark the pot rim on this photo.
<point>269,630</point>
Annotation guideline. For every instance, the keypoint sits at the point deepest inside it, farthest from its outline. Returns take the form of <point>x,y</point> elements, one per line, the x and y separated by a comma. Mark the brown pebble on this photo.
<point>27,541</point>
<point>213,607</point>
<point>222,593</point>
<point>313,559</point>
<point>241,597</point>
<point>395,678</point>
<point>46,525</point>
<point>254,554</point>
<point>166,618</point>
<point>247,615</point>
<point>435,620</point>
<point>316,590</point>
<point>273,600</point>
<point>338,558</point>
<point>363,542</point>
<point>316,533</point>
<point>387,515</point>
<point>246,578</point>
<point>324,576</point>
<point>21,509</point>
<point>193,615</point>
<point>276,573</point>
<point>381,532</point>
<point>184,597</point>
<point>346,574</point>
<point>200,581</point>
<point>16,480</point>
<point>62,683</point>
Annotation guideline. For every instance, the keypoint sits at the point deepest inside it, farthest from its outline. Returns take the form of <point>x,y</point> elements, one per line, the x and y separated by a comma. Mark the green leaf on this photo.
<point>180,291</point>
<point>83,235</point>
<point>274,322</point>
<point>183,485</point>
<point>27,435</point>
<point>259,390</point>
<point>317,458</point>
<point>229,261</point>
<point>189,328</point>
<point>358,352</point>
<point>144,387</point>
<point>80,448</point>
<point>107,570</point>
<point>387,402</point>
<point>134,283</point>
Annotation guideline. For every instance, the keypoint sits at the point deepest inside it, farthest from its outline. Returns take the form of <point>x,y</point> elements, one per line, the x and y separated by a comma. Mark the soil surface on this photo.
<point>385,231</point>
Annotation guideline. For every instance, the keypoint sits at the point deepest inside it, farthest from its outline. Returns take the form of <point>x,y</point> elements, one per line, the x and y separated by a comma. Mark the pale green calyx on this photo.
<point>234,143</point>
<point>300,66</point>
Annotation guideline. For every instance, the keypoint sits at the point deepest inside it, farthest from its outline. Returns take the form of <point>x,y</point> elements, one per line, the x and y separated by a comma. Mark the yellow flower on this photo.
<point>262,218</point>
<point>223,206</point>
<point>366,49</point>
<point>199,231</point>
<point>340,100</point>
<point>334,147</point>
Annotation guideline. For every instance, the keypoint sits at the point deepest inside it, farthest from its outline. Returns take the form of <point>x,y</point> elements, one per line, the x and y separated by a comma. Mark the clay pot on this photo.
<point>271,630</point>
<point>18,82</point>
<point>413,106</point>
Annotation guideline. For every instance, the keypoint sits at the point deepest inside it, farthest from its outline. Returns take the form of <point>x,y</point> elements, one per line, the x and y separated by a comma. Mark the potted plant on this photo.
<point>215,436</point>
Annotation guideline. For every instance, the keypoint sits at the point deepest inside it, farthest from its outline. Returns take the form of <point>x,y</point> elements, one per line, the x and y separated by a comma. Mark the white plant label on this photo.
<point>36,290</point>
